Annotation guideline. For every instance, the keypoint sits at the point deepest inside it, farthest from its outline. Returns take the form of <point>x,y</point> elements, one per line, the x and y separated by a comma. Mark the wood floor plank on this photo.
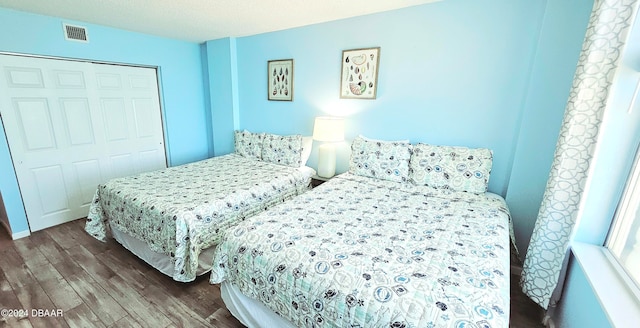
<point>9,301</point>
<point>137,305</point>
<point>127,322</point>
<point>67,266</point>
<point>72,234</point>
<point>12,264</point>
<point>117,251</point>
<point>58,257</point>
<point>181,314</point>
<point>59,234</point>
<point>59,291</point>
<point>15,323</point>
<point>126,270</point>
<point>53,251</point>
<point>5,238</point>
<point>221,319</point>
<point>34,299</point>
<point>176,289</point>
<point>47,321</point>
<point>96,298</point>
<point>77,233</point>
<point>30,253</point>
<point>200,296</point>
<point>26,287</point>
<point>81,316</point>
<point>87,261</point>
<point>49,248</point>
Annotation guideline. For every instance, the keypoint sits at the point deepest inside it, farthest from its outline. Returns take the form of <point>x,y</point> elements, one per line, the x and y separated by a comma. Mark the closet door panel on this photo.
<point>72,125</point>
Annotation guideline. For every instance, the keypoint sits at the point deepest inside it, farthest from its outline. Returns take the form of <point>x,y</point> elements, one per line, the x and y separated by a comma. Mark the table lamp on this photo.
<point>329,130</point>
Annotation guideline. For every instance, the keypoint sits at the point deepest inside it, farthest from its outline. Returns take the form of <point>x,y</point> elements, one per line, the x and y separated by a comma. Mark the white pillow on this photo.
<point>282,150</point>
<point>455,168</point>
<point>249,144</point>
<point>307,143</point>
<point>387,160</point>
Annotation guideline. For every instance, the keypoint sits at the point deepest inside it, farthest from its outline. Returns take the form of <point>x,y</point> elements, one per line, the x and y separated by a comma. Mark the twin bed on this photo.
<point>173,218</point>
<point>409,237</point>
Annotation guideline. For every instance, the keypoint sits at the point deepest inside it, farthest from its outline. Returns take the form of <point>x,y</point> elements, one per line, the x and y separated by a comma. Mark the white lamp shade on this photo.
<point>328,129</point>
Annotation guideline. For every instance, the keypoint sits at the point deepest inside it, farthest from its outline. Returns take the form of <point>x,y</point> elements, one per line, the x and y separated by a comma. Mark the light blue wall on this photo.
<point>207,96</point>
<point>557,52</point>
<point>579,307</point>
<point>454,72</point>
<point>221,75</point>
<point>181,84</point>
<point>10,191</point>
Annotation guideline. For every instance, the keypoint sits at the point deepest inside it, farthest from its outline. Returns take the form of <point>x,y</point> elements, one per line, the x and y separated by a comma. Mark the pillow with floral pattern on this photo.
<point>455,168</point>
<point>387,160</point>
<point>249,144</point>
<point>283,150</point>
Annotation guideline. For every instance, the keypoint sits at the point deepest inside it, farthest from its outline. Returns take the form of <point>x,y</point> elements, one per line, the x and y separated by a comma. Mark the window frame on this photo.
<point>627,207</point>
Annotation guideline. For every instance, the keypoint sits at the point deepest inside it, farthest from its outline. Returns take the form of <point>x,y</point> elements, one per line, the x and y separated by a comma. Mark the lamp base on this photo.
<point>326,160</point>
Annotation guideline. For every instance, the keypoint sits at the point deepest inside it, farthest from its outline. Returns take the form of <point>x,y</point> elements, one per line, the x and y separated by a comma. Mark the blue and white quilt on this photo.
<point>364,252</point>
<point>182,210</point>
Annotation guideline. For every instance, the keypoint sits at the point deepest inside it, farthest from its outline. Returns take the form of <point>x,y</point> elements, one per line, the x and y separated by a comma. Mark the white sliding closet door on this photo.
<point>73,125</point>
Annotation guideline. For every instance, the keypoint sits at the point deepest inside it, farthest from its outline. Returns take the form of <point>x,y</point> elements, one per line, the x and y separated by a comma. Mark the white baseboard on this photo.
<point>16,235</point>
<point>20,234</point>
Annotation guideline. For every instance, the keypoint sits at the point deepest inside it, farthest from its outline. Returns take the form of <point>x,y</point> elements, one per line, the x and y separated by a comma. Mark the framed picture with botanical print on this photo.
<point>280,79</point>
<point>359,77</point>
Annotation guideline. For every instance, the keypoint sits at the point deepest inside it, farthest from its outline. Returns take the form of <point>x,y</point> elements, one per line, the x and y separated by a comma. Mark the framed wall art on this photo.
<point>359,77</point>
<point>280,79</point>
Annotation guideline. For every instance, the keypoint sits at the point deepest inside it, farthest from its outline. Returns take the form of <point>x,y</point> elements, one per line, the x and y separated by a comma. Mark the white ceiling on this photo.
<point>202,20</point>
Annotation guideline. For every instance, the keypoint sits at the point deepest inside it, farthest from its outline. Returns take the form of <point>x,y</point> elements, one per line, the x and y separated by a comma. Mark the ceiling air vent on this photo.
<point>75,33</point>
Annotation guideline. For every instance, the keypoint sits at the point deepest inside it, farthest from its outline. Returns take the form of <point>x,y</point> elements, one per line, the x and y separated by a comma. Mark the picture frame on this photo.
<point>359,73</point>
<point>280,80</point>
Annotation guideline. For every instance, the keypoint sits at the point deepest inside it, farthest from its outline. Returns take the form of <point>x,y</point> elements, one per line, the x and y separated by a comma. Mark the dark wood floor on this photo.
<point>94,284</point>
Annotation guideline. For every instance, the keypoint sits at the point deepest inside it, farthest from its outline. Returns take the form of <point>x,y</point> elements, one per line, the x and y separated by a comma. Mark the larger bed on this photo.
<point>173,218</point>
<point>391,243</point>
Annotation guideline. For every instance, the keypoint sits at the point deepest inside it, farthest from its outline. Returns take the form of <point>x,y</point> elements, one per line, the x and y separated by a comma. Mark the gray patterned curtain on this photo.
<point>545,263</point>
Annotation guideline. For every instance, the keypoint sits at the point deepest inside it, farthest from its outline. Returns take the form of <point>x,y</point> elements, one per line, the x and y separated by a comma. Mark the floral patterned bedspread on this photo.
<point>359,252</point>
<point>181,210</point>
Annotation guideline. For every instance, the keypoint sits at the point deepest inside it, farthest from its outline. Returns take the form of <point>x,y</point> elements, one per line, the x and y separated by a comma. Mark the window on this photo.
<point>624,237</point>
